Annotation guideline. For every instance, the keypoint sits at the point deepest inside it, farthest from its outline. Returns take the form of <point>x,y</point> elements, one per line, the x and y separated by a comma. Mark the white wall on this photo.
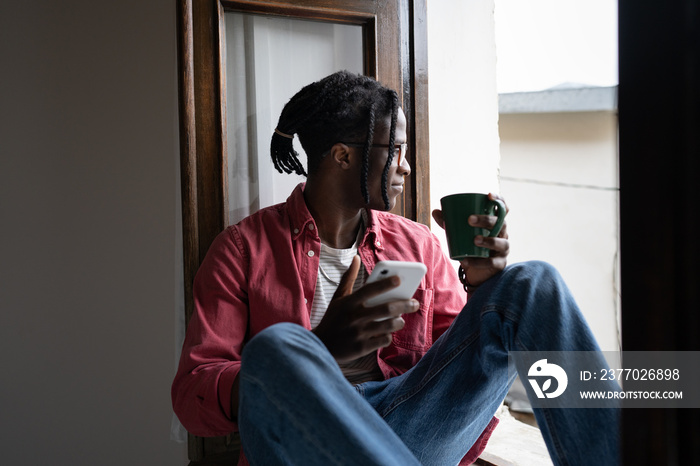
<point>88,131</point>
<point>559,172</point>
<point>464,152</point>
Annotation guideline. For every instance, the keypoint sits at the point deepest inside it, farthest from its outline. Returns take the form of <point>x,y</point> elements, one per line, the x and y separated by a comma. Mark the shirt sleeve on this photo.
<point>449,296</point>
<point>211,353</point>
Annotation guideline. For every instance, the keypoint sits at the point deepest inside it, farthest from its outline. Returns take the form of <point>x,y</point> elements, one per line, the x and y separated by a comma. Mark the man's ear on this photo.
<point>341,155</point>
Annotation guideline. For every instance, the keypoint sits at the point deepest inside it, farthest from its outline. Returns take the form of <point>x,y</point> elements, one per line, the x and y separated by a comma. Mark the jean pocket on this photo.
<point>417,333</point>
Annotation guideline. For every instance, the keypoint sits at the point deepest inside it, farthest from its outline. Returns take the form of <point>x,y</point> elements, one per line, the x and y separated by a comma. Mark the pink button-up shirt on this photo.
<point>263,271</point>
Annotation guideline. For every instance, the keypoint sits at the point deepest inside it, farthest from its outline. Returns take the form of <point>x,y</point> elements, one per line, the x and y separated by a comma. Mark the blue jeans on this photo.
<point>297,408</point>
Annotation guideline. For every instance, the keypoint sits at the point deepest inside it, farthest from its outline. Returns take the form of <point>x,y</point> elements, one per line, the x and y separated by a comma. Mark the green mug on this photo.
<point>456,210</point>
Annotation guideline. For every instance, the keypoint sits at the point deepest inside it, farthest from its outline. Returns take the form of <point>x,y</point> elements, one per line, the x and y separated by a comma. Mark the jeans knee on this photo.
<point>271,343</point>
<point>538,273</point>
<point>534,282</point>
<point>535,269</point>
<point>278,333</point>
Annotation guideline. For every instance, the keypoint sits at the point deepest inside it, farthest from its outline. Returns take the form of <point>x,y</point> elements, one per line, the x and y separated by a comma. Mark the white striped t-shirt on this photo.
<point>332,265</point>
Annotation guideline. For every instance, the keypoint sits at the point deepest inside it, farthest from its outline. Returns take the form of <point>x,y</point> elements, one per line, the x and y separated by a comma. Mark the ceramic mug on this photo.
<point>456,209</point>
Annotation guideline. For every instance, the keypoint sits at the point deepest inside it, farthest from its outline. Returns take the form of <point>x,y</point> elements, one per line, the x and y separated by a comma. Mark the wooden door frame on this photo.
<point>398,28</point>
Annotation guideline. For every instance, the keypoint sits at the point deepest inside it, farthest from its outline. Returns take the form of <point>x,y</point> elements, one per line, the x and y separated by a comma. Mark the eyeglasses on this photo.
<point>401,148</point>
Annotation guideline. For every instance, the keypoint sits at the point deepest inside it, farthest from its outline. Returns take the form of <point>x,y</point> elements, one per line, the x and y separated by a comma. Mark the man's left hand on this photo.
<point>478,270</point>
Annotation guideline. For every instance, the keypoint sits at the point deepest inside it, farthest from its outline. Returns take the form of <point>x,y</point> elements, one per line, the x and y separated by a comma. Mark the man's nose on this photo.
<point>405,167</point>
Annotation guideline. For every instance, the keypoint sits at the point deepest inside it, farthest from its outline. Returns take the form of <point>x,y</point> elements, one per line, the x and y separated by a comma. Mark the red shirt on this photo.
<point>263,271</point>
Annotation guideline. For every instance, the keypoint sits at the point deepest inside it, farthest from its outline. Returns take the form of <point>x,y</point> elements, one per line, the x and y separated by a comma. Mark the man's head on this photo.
<point>344,109</point>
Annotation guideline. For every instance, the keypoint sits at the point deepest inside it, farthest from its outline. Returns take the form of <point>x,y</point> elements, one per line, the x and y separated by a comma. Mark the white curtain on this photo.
<point>268,60</point>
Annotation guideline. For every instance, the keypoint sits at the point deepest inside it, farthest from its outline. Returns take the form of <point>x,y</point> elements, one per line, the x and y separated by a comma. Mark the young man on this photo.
<point>282,347</point>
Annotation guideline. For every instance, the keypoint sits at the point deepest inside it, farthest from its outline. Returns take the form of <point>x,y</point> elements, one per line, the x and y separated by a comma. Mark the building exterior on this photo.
<point>559,175</point>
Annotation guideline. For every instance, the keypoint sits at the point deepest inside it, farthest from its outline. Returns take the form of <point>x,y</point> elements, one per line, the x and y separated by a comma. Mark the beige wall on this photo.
<point>88,131</point>
<point>559,176</point>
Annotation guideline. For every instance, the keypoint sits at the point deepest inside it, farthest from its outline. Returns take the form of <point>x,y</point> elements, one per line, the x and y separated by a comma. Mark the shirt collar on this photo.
<point>373,233</point>
<point>300,218</point>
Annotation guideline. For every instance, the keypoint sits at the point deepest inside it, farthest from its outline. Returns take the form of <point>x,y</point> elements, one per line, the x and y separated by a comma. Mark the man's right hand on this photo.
<point>350,329</point>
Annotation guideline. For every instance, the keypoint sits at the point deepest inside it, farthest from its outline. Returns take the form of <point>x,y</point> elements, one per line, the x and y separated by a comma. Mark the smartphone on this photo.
<point>410,274</point>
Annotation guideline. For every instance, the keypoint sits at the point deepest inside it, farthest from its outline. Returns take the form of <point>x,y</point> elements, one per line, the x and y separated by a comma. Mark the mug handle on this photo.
<point>501,213</point>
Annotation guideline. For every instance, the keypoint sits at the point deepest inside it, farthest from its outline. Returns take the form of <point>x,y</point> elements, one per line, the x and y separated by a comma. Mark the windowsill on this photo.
<point>514,443</point>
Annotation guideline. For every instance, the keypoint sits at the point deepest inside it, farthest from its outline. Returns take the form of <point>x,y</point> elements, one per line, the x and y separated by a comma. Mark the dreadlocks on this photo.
<point>342,107</point>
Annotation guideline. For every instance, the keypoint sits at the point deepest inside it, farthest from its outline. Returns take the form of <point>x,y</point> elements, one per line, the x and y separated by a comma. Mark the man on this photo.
<point>282,347</point>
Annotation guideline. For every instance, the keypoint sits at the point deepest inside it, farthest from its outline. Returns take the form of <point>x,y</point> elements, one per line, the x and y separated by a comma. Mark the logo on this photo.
<point>546,371</point>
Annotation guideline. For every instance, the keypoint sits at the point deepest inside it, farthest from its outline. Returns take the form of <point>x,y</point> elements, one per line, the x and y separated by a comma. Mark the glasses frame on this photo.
<point>403,148</point>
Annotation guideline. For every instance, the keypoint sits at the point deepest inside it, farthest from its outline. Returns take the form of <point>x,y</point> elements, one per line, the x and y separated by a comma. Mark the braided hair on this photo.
<point>342,107</point>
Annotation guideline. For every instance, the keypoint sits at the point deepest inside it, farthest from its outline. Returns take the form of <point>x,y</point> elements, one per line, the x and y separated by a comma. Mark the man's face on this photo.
<point>378,157</point>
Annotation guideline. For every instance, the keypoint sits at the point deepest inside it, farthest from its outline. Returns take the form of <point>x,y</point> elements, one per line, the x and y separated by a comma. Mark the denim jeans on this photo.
<point>297,408</point>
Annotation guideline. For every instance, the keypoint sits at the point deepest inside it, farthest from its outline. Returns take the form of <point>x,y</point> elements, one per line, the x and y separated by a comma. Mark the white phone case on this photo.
<point>410,274</point>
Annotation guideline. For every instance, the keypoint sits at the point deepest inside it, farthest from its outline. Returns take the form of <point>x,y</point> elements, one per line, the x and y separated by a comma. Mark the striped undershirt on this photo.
<point>332,265</point>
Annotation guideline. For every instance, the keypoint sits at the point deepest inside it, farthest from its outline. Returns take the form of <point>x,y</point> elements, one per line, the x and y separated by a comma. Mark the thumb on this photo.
<point>348,279</point>
<point>437,216</point>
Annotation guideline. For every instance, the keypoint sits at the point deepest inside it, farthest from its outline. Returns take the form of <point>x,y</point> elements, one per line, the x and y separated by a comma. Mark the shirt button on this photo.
<point>311,254</point>
<point>306,301</point>
<point>296,230</point>
<point>379,244</point>
<point>311,226</point>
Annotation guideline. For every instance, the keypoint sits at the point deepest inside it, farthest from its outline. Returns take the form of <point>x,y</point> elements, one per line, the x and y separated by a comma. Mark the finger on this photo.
<point>437,216</point>
<point>408,306</point>
<point>373,289</point>
<point>381,341</point>
<point>485,263</point>
<point>494,196</point>
<point>488,222</point>
<point>348,279</point>
<point>483,221</point>
<point>504,231</point>
<point>383,327</point>
<point>390,310</point>
<point>498,245</point>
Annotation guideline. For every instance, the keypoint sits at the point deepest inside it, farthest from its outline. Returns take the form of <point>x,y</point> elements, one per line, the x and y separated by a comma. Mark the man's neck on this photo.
<point>337,223</point>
